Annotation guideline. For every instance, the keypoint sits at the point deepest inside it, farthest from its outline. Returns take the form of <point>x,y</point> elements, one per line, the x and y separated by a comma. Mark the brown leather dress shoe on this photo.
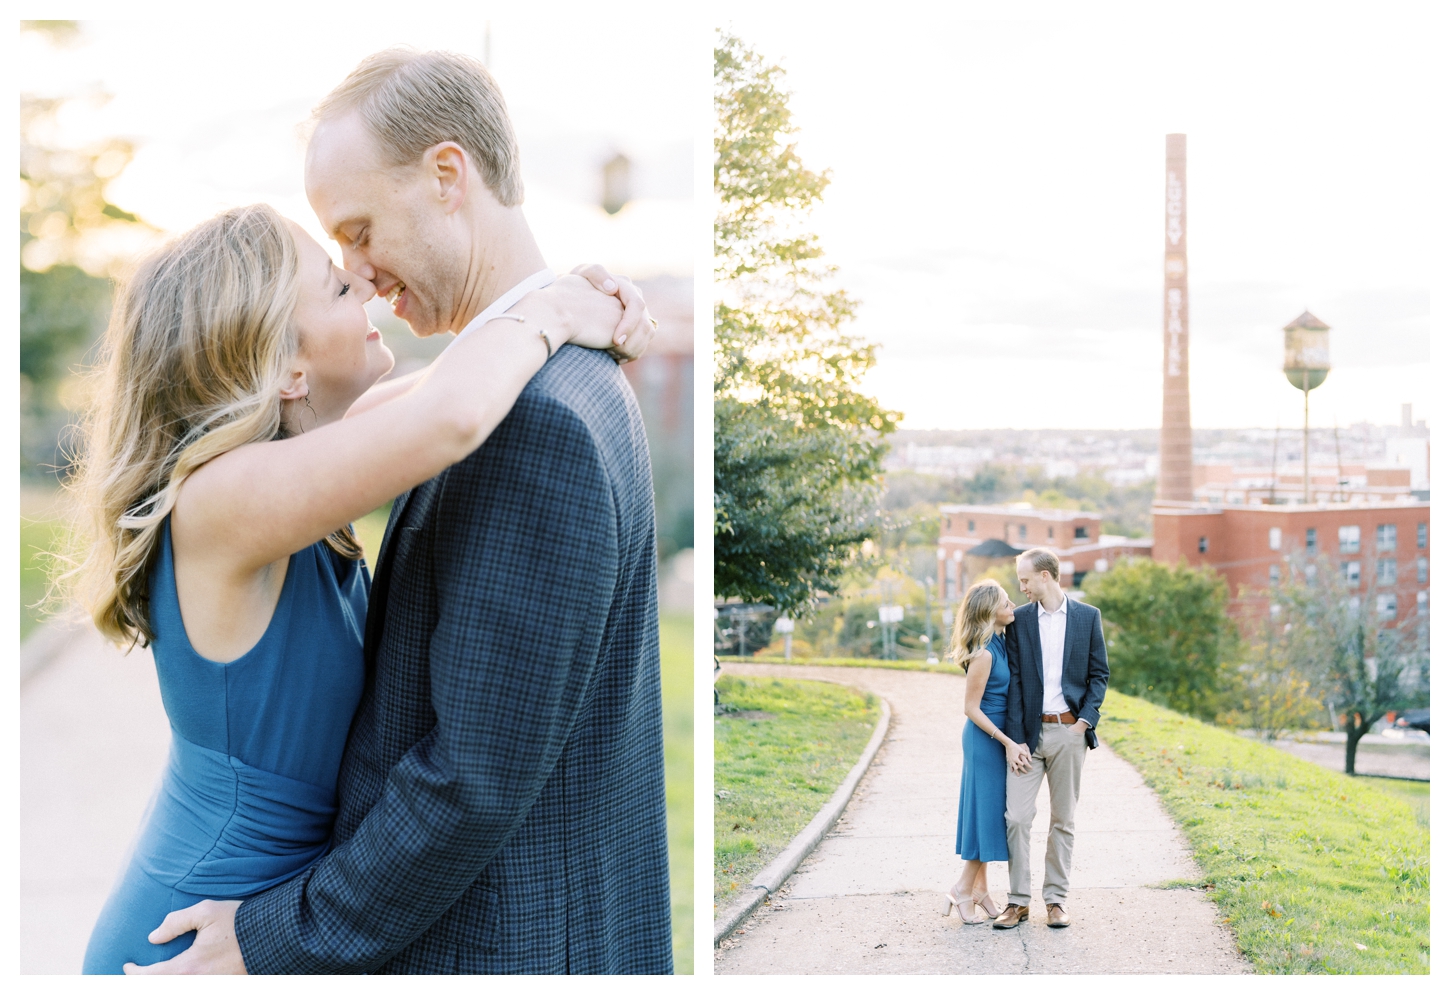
<point>1011,916</point>
<point>1057,916</point>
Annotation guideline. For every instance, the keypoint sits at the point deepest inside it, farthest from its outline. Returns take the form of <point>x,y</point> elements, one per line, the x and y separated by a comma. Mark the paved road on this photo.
<point>868,901</point>
<point>1379,756</point>
<point>93,741</point>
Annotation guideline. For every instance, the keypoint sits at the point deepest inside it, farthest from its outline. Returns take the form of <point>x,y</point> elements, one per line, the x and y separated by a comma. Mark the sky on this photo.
<point>997,205</point>
<point>213,106</point>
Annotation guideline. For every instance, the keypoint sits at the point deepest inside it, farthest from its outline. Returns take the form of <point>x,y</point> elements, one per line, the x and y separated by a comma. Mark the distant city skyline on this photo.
<point>997,199</point>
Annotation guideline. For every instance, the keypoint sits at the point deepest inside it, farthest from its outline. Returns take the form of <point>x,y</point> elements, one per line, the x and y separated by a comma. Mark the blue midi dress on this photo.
<point>982,810</point>
<point>249,793</point>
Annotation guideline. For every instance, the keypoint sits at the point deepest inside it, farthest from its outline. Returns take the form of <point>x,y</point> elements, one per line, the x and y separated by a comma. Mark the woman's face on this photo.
<point>340,353</point>
<point>1005,608</point>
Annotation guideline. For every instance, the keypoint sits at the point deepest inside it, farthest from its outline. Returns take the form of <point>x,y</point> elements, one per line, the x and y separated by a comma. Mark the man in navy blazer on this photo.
<point>1058,666</point>
<point>501,802</point>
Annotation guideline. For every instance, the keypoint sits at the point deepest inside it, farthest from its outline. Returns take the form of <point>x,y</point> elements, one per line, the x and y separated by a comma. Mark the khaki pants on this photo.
<point>1059,755</point>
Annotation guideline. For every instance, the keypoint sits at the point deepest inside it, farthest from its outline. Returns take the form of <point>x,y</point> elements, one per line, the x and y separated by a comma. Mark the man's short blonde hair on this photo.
<point>1041,559</point>
<point>411,101</point>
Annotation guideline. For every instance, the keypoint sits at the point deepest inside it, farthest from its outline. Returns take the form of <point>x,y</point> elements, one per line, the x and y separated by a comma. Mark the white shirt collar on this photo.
<point>506,300</point>
<point>1061,609</point>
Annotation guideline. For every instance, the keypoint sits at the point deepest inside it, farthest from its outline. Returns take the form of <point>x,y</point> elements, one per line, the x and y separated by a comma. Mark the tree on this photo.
<point>798,450</point>
<point>1271,690</point>
<point>1168,633</point>
<point>72,240</point>
<point>1364,663</point>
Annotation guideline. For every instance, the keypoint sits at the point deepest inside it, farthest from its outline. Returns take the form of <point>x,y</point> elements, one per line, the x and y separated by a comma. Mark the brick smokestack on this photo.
<point>1175,440</point>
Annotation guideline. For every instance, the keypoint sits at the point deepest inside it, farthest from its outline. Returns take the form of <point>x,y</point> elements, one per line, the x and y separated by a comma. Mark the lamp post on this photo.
<point>785,626</point>
<point>926,586</point>
<point>1306,364</point>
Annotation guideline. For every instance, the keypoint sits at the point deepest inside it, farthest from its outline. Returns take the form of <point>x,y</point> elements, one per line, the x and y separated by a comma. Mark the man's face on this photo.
<point>1033,584</point>
<point>392,226</point>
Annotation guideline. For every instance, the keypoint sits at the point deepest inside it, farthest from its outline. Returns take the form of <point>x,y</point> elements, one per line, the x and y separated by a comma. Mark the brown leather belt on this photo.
<point>1065,718</point>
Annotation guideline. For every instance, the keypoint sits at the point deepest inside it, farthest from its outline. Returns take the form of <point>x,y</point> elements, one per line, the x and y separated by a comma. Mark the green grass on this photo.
<point>782,747</point>
<point>1416,793</point>
<point>38,531</point>
<point>677,679</point>
<point>370,529</point>
<point>1307,865</point>
<point>841,661</point>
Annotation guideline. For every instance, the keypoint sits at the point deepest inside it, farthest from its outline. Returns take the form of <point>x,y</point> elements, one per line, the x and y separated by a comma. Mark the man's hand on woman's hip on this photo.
<point>215,949</point>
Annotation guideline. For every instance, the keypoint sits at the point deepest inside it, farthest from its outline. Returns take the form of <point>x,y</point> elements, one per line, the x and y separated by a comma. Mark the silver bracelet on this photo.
<point>542,334</point>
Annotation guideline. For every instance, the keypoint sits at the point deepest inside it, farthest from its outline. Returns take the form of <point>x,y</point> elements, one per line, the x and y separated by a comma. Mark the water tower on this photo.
<point>1306,364</point>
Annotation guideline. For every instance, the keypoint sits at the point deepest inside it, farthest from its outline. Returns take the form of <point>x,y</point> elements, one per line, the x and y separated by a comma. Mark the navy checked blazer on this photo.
<point>501,798</point>
<point>1084,671</point>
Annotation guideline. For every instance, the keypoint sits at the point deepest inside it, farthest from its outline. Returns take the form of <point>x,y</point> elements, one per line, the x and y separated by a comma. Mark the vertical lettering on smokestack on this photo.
<point>1175,441</point>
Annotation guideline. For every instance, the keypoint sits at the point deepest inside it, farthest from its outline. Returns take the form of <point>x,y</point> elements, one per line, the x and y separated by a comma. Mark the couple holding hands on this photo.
<point>1036,677</point>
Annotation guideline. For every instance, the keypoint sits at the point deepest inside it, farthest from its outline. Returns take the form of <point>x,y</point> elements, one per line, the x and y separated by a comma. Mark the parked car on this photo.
<point>1415,718</point>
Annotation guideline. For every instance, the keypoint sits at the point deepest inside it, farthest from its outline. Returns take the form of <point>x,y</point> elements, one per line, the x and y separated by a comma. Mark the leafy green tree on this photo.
<point>72,238</point>
<point>798,450</point>
<point>1271,691</point>
<point>1168,632</point>
<point>1364,664</point>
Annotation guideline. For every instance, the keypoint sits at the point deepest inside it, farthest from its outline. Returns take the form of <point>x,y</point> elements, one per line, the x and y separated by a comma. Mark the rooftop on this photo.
<point>1019,510</point>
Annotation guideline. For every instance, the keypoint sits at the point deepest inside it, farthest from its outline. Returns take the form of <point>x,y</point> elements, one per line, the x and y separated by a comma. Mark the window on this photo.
<point>1049,532</point>
<point>1203,544</point>
<point>1274,573</point>
<point>1422,602</point>
<point>1311,540</point>
<point>1349,570</point>
<point>1022,533</point>
<point>1384,538</point>
<point>1387,573</point>
<point>1354,604</point>
<point>1386,606</point>
<point>1080,532</point>
<point>1422,570</point>
<point>971,525</point>
<point>1422,535</point>
<point>947,523</point>
<point>1349,538</point>
<point>1276,538</point>
<point>1311,572</point>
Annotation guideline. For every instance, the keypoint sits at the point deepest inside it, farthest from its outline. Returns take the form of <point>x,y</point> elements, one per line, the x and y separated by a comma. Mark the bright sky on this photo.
<point>997,206</point>
<point>213,106</point>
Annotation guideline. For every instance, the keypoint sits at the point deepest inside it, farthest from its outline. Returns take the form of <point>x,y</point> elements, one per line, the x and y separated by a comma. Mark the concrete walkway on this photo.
<point>868,901</point>
<point>93,741</point>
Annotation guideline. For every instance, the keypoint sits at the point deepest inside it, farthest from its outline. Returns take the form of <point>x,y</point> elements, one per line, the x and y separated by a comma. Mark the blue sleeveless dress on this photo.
<point>249,793</point>
<point>982,810</point>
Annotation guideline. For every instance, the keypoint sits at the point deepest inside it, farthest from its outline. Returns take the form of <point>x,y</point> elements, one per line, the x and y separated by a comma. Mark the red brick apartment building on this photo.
<point>974,538</point>
<point>1382,548</point>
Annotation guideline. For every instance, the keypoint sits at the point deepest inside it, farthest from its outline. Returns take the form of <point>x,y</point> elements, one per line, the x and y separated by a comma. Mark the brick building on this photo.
<point>1217,483</point>
<point>1382,549</point>
<point>975,538</point>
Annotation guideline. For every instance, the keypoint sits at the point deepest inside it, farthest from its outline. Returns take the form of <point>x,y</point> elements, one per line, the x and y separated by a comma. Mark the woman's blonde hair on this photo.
<point>200,344</point>
<point>975,620</point>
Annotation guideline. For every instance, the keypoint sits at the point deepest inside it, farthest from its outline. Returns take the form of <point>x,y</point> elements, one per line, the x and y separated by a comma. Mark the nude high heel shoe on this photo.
<point>984,902</point>
<point>961,905</point>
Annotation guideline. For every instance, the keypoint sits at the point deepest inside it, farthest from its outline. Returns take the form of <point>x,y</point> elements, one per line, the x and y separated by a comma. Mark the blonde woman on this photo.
<point>234,438</point>
<point>978,648</point>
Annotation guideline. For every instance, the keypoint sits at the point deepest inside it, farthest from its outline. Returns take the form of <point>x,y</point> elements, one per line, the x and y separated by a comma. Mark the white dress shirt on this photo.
<point>510,297</point>
<point>1053,627</point>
